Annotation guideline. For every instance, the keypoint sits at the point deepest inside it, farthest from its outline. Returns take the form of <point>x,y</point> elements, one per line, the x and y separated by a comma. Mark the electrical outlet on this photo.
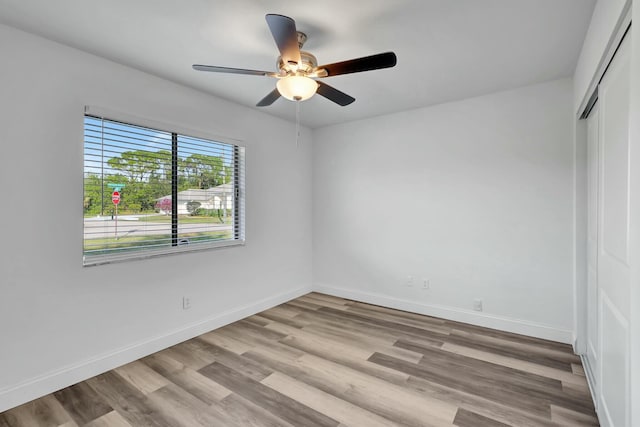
<point>186,303</point>
<point>410,281</point>
<point>477,305</point>
<point>425,284</point>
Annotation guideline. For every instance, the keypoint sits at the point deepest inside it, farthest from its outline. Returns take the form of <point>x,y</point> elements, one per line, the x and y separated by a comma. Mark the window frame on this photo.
<point>176,131</point>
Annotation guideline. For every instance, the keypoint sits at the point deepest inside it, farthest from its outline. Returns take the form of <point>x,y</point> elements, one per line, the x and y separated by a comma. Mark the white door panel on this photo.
<point>613,289</point>
<point>615,365</point>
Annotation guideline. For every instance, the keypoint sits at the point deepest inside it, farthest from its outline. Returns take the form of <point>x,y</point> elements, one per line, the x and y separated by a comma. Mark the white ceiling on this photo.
<point>447,49</point>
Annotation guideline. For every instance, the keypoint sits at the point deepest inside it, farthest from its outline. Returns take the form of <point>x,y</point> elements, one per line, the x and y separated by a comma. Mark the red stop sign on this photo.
<point>115,197</point>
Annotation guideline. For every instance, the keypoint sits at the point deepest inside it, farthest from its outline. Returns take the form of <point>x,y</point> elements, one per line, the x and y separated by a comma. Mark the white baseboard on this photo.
<point>588,371</point>
<point>507,324</point>
<point>41,385</point>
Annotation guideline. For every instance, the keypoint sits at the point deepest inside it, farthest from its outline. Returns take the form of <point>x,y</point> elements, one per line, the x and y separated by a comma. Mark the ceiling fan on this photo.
<point>298,70</point>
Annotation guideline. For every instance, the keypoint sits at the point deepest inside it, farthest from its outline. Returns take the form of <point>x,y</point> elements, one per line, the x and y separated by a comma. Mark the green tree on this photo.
<point>137,165</point>
<point>204,171</point>
<point>164,165</point>
<point>92,194</point>
<point>147,176</point>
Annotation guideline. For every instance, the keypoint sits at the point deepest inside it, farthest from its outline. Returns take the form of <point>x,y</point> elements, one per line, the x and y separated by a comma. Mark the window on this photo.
<point>153,192</point>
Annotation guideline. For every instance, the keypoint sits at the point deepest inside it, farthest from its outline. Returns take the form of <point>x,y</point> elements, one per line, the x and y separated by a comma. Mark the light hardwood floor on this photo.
<point>325,361</point>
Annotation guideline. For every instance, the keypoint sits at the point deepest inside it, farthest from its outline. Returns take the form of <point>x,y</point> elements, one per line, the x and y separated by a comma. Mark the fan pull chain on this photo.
<point>297,124</point>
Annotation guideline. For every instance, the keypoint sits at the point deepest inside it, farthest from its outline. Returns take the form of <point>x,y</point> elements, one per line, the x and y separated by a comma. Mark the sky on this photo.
<point>107,139</point>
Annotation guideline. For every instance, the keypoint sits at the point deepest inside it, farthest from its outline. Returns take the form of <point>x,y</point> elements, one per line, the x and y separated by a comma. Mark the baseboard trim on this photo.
<point>15,395</point>
<point>588,372</point>
<point>517,326</point>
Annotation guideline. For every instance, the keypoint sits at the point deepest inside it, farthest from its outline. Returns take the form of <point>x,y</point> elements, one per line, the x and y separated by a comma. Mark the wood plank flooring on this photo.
<point>325,361</point>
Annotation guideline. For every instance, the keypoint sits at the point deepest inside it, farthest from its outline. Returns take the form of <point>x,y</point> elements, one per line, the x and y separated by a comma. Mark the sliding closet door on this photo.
<point>593,149</point>
<point>613,253</point>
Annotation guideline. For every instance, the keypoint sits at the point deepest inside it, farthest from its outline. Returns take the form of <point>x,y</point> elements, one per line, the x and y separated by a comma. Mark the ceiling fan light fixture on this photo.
<point>297,88</point>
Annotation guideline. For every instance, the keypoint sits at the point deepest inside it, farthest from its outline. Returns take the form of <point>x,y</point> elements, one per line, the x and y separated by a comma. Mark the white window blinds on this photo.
<point>153,192</point>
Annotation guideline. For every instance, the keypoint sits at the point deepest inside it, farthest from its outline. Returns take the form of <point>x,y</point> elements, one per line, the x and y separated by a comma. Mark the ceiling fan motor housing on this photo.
<point>307,64</point>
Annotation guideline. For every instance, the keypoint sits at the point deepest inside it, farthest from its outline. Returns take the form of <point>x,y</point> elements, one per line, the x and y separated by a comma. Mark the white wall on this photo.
<point>580,237</point>
<point>60,322</point>
<point>475,196</point>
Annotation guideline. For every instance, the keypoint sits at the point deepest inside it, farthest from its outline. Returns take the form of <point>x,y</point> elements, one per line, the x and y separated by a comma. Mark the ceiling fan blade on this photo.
<point>283,30</point>
<point>215,69</point>
<point>366,63</point>
<point>334,94</point>
<point>269,99</point>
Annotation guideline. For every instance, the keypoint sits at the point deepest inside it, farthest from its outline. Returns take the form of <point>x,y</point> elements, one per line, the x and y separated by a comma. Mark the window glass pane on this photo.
<point>128,188</point>
<point>135,162</point>
<point>206,208</point>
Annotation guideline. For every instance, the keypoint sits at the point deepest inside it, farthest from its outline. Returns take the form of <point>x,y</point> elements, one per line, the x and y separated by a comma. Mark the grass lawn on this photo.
<point>111,245</point>
<point>184,219</point>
